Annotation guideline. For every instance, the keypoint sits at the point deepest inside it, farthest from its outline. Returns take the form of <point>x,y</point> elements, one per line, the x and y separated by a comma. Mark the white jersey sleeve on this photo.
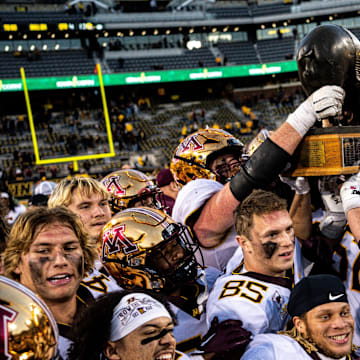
<point>190,199</point>
<point>274,347</point>
<point>260,305</point>
<point>100,284</point>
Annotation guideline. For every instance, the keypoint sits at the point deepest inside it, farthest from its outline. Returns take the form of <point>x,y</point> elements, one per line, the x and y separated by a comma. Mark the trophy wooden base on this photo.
<point>328,151</point>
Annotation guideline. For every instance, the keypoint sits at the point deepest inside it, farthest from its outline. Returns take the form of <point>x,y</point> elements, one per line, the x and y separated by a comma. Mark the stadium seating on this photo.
<point>38,17</point>
<point>239,52</point>
<point>50,63</point>
<point>276,49</point>
<point>190,59</point>
<point>275,8</point>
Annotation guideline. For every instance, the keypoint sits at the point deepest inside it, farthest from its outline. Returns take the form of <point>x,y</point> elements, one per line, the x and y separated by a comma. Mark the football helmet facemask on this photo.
<point>130,188</point>
<point>194,155</point>
<point>30,330</point>
<point>145,248</point>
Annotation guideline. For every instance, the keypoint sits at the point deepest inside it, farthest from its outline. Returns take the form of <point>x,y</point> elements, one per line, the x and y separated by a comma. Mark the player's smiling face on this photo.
<point>270,249</point>
<point>53,267</point>
<point>131,347</point>
<point>330,327</point>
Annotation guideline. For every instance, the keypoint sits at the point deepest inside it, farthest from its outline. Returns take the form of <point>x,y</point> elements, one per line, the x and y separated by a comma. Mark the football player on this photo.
<point>131,188</point>
<point>207,206</point>
<point>323,325</point>
<point>144,248</point>
<point>206,155</point>
<point>28,328</point>
<point>256,292</point>
<point>49,251</point>
<point>129,325</point>
<point>88,198</point>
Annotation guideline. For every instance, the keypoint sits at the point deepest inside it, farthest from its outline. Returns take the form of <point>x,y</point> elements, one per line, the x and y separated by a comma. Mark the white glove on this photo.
<point>333,224</point>
<point>299,184</point>
<point>350,193</point>
<point>321,104</point>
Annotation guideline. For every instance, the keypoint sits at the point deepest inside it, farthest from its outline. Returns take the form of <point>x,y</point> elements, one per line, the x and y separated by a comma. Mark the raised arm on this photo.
<point>267,162</point>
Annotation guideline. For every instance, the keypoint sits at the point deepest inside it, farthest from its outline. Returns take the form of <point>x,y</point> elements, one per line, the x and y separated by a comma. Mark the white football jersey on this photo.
<point>181,356</point>
<point>92,287</point>
<point>192,323</point>
<point>259,301</point>
<point>64,346</point>
<point>274,347</point>
<point>99,283</point>
<point>189,200</point>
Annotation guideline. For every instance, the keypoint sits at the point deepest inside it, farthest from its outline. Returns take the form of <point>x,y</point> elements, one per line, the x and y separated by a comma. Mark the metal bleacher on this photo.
<point>239,52</point>
<point>40,17</point>
<point>275,49</point>
<point>189,59</point>
<point>50,63</point>
<point>275,8</point>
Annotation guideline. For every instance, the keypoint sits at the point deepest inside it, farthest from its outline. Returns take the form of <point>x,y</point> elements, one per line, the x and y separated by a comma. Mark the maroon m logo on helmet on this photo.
<point>186,145</point>
<point>193,142</point>
<point>7,316</point>
<point>112,185</point>
<point>114,240</point>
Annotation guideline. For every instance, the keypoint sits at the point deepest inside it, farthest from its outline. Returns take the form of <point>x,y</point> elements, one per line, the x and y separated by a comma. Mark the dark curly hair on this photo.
<point>91,330</point>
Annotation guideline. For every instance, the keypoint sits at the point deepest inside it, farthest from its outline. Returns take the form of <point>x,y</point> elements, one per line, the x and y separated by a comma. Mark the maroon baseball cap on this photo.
<point>164,177</point>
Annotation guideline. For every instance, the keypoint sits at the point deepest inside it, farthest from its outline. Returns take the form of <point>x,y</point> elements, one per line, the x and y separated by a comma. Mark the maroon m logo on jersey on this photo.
<point>113,186</point>
<point>116,241</point>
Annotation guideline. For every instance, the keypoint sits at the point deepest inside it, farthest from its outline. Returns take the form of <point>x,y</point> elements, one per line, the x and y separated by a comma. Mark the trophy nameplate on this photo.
<point>328,151</point>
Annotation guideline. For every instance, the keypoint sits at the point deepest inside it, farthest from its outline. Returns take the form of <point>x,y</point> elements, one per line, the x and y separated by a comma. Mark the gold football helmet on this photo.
<point>145,248</point>
<point>128,187</point>
<point>193,156</point>
<point>28,329</point>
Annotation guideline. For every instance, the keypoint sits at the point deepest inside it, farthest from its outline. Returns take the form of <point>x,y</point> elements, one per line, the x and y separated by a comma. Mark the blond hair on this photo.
<point>259,202</point>
<point>62,194</point>
<point>28,225</point>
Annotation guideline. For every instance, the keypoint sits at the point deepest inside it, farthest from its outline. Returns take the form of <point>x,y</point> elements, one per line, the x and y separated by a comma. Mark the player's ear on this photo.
<point>299,324</point>
<point>20,267</point>
<point>244,242</point>
<point>111,351</point>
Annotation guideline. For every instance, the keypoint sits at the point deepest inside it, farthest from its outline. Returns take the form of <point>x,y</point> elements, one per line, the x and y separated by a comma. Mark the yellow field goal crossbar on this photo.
<point>76,158</point>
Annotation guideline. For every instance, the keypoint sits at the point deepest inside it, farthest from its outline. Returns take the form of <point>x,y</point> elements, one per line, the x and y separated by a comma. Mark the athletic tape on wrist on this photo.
<point>303,118</point>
